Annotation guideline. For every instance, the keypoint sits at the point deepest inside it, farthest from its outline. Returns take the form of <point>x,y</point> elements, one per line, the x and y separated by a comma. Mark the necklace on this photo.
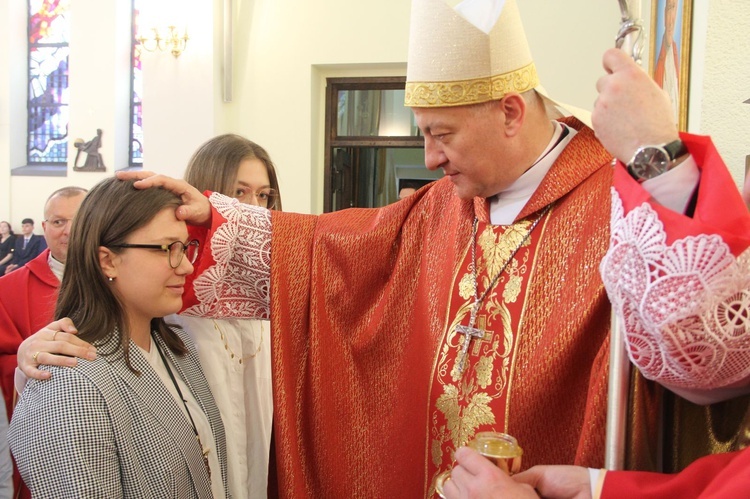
<point>231,353</point>
<point>470,332</point>
<point>204,450</point>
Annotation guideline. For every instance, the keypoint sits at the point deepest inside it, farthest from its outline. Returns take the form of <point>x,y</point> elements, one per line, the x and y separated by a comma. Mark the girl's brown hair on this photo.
<point>214,165</point>
<point>110,212</point>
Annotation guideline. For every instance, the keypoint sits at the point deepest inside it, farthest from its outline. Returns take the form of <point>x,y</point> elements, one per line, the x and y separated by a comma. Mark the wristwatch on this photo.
<point>651,161</point>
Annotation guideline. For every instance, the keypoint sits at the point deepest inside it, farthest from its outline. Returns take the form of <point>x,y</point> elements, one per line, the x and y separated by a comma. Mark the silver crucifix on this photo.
<point>470,332</point>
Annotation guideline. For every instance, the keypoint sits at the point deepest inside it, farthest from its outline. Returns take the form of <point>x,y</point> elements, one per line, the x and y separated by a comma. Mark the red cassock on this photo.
<point>27,304</point>
<point>721,211</point>
<point>718,476</point>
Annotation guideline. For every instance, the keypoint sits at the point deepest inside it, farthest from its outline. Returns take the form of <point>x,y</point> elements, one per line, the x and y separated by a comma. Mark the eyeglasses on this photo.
<point>175,251</point>
<point>265,197</point>
<point>59,223</point>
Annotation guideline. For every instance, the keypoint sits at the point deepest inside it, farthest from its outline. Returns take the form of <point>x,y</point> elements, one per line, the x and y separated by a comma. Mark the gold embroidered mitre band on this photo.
<point>452,62</point>
<point>463,56</point>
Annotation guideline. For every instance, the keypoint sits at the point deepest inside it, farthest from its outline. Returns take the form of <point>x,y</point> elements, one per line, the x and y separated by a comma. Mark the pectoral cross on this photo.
<point>470,332</point>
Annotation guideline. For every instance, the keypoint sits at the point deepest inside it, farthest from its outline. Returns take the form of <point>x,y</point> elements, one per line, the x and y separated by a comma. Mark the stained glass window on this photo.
<point>48,114</point>
<point>136,90</point>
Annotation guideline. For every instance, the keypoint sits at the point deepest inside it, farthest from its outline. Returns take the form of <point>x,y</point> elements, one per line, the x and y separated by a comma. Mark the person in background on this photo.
<point>409,187</point>
<point>6,464</point>
<point>28,295</point>
<point>235,353</point>
<point>7,243</point>
<point>27,246</point>
<point>406,192</point>
<point>630,112</point>
<point>139,420</point>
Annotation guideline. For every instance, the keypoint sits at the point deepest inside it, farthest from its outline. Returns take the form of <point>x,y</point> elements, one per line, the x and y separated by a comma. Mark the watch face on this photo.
<point>649,162</point>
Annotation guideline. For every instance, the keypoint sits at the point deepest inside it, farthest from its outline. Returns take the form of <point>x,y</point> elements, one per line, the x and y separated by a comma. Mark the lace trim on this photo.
<point>685,308</point>
<point>237,285</point>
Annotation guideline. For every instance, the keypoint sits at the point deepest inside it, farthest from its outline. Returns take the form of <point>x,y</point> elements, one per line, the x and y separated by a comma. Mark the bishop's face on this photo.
<point>469,144</point>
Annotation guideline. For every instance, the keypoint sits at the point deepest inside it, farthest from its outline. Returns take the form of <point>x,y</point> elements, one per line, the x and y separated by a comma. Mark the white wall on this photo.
<point>292,47</point>
<point>726,82</point>
<point>12,107</point>
<point>567,50</point>
<point>99,84</point>
<point>284,50</point>
<point>181,95</point>
<point>99,98</point>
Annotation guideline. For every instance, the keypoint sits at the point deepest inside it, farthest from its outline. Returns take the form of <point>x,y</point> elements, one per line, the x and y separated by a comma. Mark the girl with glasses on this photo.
<point>237,167</point>
<point>140,420</point>
<point>235,353</point>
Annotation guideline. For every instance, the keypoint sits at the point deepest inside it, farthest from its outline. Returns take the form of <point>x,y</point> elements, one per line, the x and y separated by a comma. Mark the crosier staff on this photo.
<point>630,39</point>
<point>630,35</point>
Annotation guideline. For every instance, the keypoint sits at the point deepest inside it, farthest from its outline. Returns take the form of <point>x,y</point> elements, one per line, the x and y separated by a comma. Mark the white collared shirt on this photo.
<point>199,417</point>
<point>505,207</point>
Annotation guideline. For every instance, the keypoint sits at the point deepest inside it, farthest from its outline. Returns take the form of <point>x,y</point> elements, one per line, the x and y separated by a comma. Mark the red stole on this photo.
<point>477,399</point>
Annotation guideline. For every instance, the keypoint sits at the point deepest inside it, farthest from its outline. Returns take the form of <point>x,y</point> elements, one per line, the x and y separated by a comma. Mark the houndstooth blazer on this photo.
<point>101,431</point>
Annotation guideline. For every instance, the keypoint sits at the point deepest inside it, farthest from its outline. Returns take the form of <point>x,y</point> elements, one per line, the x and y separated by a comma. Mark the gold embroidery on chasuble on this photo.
<point>476,400</point>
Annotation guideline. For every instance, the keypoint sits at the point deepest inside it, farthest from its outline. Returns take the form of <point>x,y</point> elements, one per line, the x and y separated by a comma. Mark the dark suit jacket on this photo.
<point>34,248</point>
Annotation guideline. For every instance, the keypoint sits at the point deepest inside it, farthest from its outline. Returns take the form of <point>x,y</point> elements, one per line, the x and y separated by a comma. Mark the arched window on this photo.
<point>136,93</point>
<point>48,114</point>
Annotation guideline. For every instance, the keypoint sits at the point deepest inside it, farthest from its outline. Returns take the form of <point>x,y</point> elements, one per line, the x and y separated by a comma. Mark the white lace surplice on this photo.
<point>684,307</point>
<point>237,286</point>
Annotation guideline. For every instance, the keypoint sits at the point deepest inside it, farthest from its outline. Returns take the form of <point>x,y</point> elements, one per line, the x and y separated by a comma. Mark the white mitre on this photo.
<point>474,53</point>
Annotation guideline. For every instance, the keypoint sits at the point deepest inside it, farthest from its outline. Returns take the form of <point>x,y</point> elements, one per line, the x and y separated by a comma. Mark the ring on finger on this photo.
<point>33,357</point>
<point>54,334</point>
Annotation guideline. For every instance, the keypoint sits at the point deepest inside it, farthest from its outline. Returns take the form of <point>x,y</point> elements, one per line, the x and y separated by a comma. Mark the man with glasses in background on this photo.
<point>28,295</point>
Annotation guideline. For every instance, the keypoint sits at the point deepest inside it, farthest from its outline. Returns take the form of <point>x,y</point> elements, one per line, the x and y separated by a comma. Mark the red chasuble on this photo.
<point>27,304</point>
<point>364,306</point>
